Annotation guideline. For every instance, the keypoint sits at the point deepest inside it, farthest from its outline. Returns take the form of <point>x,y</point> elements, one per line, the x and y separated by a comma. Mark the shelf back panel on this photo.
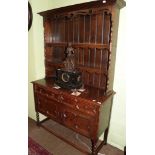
<point>89,34</point>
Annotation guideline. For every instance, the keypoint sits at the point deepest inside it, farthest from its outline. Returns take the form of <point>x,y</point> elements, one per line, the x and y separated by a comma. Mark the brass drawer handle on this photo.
<point>94,111</point>
<point>65,116</point>
<point>77,107</point>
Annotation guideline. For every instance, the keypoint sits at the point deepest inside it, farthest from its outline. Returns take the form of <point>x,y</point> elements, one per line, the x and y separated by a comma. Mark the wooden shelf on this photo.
<point>79,67</point>
<point>79,45</point>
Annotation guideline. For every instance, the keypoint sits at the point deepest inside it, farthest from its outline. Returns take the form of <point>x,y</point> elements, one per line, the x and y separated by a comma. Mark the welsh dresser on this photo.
<point>92,29</point>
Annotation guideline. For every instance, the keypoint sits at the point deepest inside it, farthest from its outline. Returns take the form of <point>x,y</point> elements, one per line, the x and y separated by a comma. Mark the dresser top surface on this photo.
<point>90,93</point>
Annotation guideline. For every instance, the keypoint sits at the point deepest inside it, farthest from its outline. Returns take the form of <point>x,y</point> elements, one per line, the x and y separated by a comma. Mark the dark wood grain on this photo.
<point>90,38</point>
<point>82,6</point>
<point>88,27</point>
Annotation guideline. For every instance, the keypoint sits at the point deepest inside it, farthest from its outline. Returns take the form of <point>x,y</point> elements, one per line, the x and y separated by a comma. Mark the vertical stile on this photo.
<point>86,39</point>
<point>64,29</point>
<point>90,49</point>
<point>99,41</point>
<point>47,31</point>
<point>83,56</point>
<point>96,28</point>
<point>103,19</point>
<point>89,57</point>
<point>63,35</point>
<point>80,50</point>
<point>78,22</point>
<point>87,28</point>
<point>73,30</point>
<point>90,29</point>
<point>68,29</point>
<point>80,40</point>
<point>51,28</point>
<point>108,26</point>
<point>56,29</point>
<point>92,40</point>
<point>78,56</point>
<point>102,51</point>
<point>81,29</point>
<point>84,29</point>
<point>85,50</point>
<point>55,25</point>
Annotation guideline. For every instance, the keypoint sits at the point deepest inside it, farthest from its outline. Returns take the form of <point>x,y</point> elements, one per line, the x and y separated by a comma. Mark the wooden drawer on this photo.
<point>70,100</point>
<point>67,116</point>
<point>47,107</point>
<point>81,104</point>
<point>47,93</point>
<point>73,112</point>
<point>78,122</point>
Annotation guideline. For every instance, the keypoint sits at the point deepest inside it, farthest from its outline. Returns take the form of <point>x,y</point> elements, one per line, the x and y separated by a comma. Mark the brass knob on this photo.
<point>65,116</point>
<point>77,107</point>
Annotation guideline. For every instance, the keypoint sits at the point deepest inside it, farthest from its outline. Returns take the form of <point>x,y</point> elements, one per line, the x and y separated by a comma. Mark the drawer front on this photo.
<point>80,123</point>
<point>68,110</point>
<point>70,100</point>
<point>47,107</point>
<point>47,93</point>
<point>81,104</point>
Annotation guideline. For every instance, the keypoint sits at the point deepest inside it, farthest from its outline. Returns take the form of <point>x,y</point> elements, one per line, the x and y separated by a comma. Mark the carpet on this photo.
<point>35,149</point>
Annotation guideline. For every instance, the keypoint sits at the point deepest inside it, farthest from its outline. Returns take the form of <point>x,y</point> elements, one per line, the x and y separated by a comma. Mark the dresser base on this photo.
<point>93,146</point>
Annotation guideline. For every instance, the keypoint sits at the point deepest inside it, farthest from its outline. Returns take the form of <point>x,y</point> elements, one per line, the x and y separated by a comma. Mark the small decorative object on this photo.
<point>69,77</point>
<point>70,59</point>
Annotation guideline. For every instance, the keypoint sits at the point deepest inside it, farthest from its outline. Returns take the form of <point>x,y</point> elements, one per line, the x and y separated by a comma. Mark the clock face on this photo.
<point>65,77</point>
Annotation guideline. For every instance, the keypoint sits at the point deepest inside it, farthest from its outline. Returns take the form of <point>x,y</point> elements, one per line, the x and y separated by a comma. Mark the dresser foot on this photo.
<point>93,147</point>
<point>37,118</point>
<point>106,135</point>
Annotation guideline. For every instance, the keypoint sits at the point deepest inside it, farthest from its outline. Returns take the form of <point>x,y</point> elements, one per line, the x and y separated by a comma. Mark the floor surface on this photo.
<point>58,147</point>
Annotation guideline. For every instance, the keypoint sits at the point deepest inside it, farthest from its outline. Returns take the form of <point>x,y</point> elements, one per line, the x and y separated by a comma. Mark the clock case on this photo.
<point>73,81</point>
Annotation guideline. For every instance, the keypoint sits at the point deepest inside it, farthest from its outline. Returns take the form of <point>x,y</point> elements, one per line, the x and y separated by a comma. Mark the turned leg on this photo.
<point>37,117</point>
<point>93,147</point>
<point>106,135</point>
